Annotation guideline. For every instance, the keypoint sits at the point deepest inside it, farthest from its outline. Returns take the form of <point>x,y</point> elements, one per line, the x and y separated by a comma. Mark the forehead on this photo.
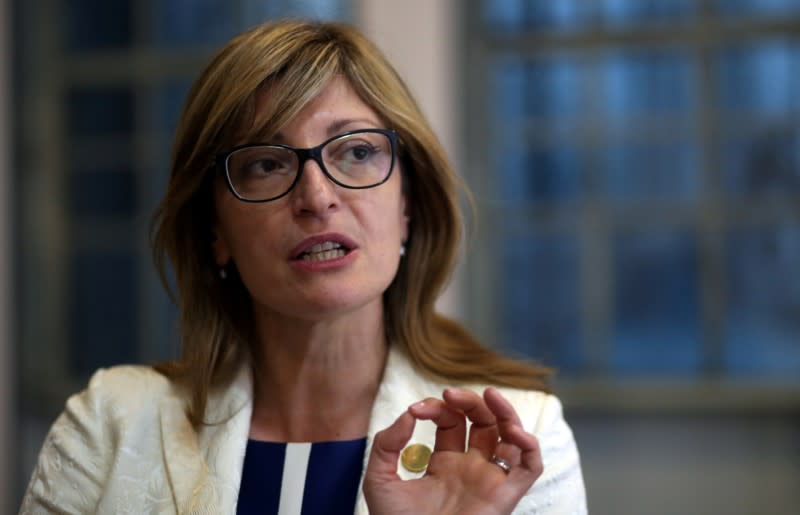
<point>337,106</point>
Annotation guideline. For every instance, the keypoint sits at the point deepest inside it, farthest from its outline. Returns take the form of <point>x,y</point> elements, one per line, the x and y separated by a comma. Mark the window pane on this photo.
<point>553,88</point>
<point>766,162</point>
<point>538,175</point>
<point>654,170</point>
<point>102,311</point>
<point>646,82</point>
<point>504,15</point>
<point>507,86</point>
<point>103,192</point>
<point>763,323</point>
<point>656,300</point>
<point>310,9</point>
<point>99,111</point>
<point>761,77</point>
<point>570,15</point>
<point>171,98</point>
<point>540,299</point>
<point>202,23</point>
<point>93,25</point>
<point>758,7</point>
<point>548,89</point>
<point>624,12</point>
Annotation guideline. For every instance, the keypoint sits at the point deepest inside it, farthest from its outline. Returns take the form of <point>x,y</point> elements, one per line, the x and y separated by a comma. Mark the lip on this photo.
<point>309,242</point>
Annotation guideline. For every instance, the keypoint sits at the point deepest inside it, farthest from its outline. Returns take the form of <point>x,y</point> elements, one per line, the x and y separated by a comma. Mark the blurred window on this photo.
<point>638,163</point>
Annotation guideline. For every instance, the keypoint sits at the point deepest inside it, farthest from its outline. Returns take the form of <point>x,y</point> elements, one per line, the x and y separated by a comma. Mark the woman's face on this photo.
<point>277,246</point>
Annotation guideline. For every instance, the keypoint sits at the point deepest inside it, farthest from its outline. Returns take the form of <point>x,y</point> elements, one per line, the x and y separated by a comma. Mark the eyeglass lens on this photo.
<point>357,160</point>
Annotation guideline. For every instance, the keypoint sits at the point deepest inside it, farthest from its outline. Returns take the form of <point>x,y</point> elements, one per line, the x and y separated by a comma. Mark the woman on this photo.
<point>311,220</point>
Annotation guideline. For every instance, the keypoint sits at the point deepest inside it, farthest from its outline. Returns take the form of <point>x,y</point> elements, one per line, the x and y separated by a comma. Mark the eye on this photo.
<point>264,166</point>
<point>261,162</point>
<point>361,152</point>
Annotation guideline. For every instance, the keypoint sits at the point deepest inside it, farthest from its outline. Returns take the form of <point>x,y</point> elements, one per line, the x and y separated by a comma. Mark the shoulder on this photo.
<point>122,393</point>
<point>109,428</point>
<point>128,382</point>
<point>537,410</point>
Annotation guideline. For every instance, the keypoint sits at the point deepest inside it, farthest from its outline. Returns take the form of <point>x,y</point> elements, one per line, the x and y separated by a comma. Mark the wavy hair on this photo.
<point>293,61</point>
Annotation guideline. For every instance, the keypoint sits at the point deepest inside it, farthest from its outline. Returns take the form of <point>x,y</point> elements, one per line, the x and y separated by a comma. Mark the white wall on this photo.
<point>420,39</point>
<point>6,378</point>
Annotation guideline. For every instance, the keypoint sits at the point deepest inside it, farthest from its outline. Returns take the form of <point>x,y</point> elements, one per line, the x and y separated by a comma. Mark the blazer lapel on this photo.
<point>204,467</point>
<point>400,387</point>
<point>187,471</point>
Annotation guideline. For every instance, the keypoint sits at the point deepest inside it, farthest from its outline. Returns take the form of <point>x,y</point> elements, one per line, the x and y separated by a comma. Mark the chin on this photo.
<point>324,305</point>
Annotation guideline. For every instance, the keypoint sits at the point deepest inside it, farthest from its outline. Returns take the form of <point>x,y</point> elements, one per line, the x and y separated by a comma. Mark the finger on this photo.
<point>483,431</point>
<point>451,426</point>
<point>502,410</point>
<point>386,448</point>
<point>507,419</point>
<point>530,466</point>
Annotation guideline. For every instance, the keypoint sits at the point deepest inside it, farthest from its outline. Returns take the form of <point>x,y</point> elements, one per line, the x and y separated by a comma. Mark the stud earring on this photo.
<point>223,274</point>
<point>402,250</point>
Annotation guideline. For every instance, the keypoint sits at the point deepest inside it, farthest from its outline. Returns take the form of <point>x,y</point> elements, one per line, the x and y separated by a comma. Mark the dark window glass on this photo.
<point>103,192</point>
<point>553,88</point>
<point>645,82</point>
<point>509,15</point>
<point>570,15</point>
<point>310,9</point>
<point>545,90</point>
<point>98,25</point>
<point>758,7</point>
<point>538,175</point>
<point>540,299</point>
<point>763,322</point>
<point>209,23</point>
<point>504,15</point>
<point>100,111</point>
<point>765,162</point>
<point>624,12</point>
<point>665,169</point>
<point>103,311</point>
<point>762,77</point>
<point>656,296</point>
<point>171,99</point>
<point>202,23</point>
<point>507,88</point>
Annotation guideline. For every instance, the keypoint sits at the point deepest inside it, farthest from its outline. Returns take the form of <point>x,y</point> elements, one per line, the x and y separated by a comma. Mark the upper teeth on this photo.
<point>322,247</point>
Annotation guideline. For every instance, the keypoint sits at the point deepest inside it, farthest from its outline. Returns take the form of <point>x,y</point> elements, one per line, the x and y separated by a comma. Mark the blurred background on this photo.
<point>636,166</point>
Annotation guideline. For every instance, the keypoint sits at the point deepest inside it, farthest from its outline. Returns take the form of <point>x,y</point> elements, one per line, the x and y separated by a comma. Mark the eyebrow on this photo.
<point>336,126</point>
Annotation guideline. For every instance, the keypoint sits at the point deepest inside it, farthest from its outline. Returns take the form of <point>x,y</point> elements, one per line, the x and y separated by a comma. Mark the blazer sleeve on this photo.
<point>76,457</point>
<point>560,489</point>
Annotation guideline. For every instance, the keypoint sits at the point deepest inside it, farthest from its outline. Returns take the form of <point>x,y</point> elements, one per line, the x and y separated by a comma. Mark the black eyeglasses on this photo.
<point>356,159</point>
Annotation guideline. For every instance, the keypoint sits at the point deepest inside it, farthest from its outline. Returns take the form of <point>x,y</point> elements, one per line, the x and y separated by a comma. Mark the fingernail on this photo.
<point>417,405</point>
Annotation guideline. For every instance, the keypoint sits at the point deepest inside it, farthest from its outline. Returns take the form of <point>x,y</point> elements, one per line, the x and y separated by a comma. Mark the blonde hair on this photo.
<point>295,60</point>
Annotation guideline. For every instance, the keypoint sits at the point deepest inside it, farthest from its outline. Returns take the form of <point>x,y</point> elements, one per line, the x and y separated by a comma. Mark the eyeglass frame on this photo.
<point>303,155</point>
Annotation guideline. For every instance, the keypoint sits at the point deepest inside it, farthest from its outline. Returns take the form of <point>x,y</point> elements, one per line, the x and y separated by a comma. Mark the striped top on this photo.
<point>301,478</point>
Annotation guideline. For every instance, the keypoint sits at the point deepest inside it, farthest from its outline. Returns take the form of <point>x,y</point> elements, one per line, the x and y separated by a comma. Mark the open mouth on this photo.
<point>324,252</point>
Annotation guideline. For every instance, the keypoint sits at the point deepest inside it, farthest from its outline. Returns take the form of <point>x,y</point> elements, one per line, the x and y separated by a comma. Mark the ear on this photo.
<point>220,247</point>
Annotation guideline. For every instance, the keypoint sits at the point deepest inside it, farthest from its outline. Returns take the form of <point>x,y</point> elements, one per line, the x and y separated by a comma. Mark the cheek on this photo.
<point>250,230</point>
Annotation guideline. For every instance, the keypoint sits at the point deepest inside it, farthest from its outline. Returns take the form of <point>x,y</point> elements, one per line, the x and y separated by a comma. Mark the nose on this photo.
<point>314,194</point>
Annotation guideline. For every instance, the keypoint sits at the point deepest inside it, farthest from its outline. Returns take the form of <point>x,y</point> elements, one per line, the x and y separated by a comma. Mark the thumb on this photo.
<point>386,447</point>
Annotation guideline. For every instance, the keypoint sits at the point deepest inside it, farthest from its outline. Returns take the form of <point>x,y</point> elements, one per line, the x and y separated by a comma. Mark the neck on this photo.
<point>317,380</point>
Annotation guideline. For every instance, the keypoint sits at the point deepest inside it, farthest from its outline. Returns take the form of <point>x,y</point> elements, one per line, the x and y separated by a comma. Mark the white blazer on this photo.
<point>125,446</point>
